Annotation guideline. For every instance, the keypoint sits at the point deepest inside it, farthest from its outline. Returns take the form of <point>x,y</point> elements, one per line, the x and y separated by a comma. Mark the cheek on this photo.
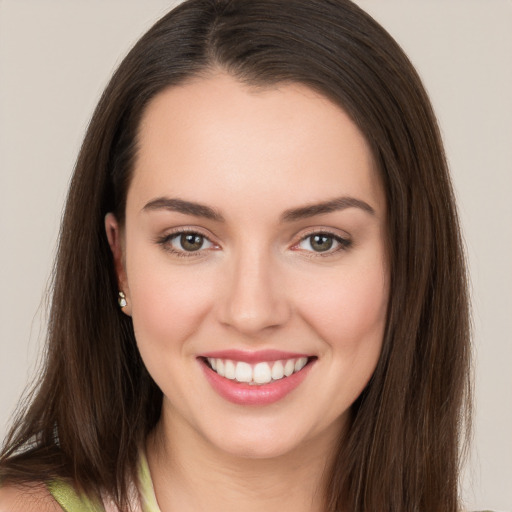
<point>348,310</point>
<point>167,301</point>
<point>348,313</point>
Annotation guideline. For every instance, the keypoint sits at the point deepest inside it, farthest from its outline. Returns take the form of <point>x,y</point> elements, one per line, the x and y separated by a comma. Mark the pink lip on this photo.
<point>245,394</point>
<point>254,357</point>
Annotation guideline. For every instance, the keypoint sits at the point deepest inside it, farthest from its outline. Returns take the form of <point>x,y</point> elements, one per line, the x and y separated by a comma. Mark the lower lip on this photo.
<point>262,394</point>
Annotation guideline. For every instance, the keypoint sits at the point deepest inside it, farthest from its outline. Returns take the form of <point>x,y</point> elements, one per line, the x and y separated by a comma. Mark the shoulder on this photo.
<point>27,498</point>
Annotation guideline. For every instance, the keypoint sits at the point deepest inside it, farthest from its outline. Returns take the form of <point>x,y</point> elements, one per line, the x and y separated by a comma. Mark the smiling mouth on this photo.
<point>259,373</point>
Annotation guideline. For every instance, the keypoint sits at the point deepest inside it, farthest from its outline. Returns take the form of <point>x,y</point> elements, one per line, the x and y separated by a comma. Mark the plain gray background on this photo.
<point>55,58</point>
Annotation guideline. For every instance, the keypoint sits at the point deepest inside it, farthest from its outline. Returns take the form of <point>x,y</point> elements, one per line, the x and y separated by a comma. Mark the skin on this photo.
<point>256,283</point>
<point>27,498</point>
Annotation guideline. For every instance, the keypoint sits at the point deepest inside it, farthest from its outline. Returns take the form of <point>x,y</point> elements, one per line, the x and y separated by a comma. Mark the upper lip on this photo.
<point>258,356</point>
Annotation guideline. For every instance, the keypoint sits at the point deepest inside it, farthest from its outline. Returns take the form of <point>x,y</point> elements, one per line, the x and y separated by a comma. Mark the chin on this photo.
<point>258,448</point>
<point>275,439</point>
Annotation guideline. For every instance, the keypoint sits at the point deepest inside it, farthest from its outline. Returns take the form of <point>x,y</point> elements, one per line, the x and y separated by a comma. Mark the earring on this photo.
<point>122,300</point>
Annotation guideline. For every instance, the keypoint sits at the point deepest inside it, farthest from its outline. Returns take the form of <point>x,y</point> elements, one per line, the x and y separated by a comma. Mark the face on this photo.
<point>253,262</point>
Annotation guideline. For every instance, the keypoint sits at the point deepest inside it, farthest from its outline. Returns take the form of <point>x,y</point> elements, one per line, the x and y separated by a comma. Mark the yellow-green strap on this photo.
<point>146,490</point>
<point>69,500</point>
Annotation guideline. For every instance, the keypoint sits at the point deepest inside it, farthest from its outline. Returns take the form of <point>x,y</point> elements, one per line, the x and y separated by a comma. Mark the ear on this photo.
<point>115,240</point>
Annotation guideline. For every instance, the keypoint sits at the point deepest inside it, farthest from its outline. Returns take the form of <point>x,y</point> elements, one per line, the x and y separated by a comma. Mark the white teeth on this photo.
<point>243,372</point>
<point>229,370</point>
<point>260,373</point>
<point>300,363</point>
<point>277,370</point>
<point>220,367</point>
<point>289,367</point>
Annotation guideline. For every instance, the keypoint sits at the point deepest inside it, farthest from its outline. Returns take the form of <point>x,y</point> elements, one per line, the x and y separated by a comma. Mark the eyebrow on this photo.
<point>294,214</point>
<point>186,207</point>
<point>339,203</point>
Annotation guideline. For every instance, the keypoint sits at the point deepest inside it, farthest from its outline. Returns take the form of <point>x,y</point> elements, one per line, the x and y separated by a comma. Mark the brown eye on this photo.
<point>187,242</point>
<point>321,242</point>
<point>191,241</point>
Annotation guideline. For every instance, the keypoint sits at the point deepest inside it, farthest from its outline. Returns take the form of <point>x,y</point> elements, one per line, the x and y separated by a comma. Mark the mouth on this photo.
<point>264,372</point>
<point>253,379</point>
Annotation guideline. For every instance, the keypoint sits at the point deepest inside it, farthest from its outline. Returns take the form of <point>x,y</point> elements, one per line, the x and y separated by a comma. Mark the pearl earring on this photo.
<point>122,300</point>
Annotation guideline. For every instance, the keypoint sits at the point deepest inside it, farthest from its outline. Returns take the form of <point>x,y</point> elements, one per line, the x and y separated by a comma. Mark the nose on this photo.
<point>254,299</point>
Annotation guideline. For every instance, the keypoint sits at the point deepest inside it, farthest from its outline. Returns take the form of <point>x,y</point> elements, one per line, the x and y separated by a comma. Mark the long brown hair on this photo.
<point>95,403</point>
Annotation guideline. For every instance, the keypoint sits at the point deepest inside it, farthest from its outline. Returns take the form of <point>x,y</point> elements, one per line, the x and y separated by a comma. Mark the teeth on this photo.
<point>289,367</point>
<point>229,370</point>
<point>220,368</point>
<point>243,372</point>
<point>277,370</point>
<point>260,373</point>
<point>300,363</point>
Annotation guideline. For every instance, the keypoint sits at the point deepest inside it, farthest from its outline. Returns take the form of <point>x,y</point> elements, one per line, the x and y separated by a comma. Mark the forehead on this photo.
<point>283,143</point>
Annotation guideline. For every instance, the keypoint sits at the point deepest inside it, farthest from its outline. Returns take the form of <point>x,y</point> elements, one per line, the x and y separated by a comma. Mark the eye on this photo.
<point>186,242</point>
<point>323,243</point>
<point>190,242</point>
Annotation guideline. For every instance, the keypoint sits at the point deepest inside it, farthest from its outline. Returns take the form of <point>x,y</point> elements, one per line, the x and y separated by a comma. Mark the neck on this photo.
<point>190,474</point>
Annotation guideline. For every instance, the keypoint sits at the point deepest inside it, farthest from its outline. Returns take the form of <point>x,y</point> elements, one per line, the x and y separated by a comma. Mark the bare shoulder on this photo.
<point>27,498</point>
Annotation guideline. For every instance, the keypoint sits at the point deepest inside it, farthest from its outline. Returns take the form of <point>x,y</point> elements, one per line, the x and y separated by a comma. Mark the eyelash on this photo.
<point>166,240</point>
<point>343,243</point>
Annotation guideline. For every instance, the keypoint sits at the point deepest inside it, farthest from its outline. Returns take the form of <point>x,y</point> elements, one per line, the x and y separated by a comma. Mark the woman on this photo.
<point>260,295</point>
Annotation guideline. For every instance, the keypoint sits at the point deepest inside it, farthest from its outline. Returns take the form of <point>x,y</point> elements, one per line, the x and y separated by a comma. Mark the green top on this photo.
<point>71,501</point>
